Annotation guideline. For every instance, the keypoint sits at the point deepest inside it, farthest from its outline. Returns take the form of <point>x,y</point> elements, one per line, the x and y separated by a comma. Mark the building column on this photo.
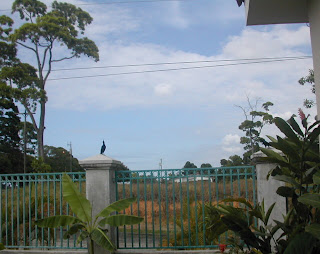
<point>314,20</point>
<point>266,188</point>
<point>101,187</point>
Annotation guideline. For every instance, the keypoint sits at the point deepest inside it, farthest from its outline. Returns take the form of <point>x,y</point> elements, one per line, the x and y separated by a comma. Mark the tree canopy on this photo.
<point>256,117</point>
<point>42,33</point>
<point>60,160</point>
<point>309,80</point>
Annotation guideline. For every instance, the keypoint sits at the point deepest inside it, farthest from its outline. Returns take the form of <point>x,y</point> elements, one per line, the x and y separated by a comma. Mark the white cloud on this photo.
<point>232,149</point>
<point>231,139</point>
<point>207,87</point>
<point>231,143</point>
<point>163,89</point>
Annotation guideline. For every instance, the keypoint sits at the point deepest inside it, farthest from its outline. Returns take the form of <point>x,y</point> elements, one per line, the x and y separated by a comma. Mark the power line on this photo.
<point>175,69</point>
<point>184,62</point>
<point>124,2</point>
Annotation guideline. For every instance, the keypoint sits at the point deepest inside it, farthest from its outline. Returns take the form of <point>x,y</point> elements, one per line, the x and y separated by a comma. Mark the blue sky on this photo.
<point>177,115</point>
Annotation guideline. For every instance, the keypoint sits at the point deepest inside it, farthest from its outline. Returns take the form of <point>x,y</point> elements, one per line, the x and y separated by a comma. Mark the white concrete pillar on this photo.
<point>101,186</point>
<point>314,20</point>
<point>266,189</point>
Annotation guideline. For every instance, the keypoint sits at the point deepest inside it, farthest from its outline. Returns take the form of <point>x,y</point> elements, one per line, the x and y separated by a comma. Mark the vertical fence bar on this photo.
<point>61,211</point>
<point>152,209</point>
<point>117,198</point>
<point>159,197</point>
<point>188,210</point>
<point>195,206</point>
<point>167,205</point>
<point>203,212</point>
<point>138,197</point>
<point>6,197</point>
<point>1,206</point>
<point>145,207</point>
<point>54,209</point>
<point>181,209</point>
<point>131,195</point>
<point>174,208</point>
<point>30,213</point>
<point>124,227</point>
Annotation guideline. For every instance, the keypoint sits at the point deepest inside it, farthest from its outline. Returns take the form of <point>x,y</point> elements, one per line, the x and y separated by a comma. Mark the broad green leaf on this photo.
<point>2,246</point>
<point>239,200</point>
<point>78,203</point>
<point>316,178</point>
<point>272,139</point>
<point>312,199</point>
<point>56,221</point>
<point>73,230</point>
<point>313,125</point>
<point>314,229</point>
<point>301,243</point>
<point>101,239</point>
<point>285,191</point>
<point>83,235</point>
<point>269,212</point>
<point>314,135</point>
<point>288,149</point>
<point>287,179</point>
<point>286,130</point>
<point>295,126</point>
<point>116,207</point>
<point>275,156</point>
<point>120,220</point>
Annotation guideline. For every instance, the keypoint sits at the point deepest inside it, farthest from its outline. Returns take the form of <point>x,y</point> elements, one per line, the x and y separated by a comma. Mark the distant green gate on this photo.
<point>172,202</point>
<point>25,198</point>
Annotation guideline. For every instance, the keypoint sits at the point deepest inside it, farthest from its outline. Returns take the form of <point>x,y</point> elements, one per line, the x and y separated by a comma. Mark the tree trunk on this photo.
<point>40,132</point>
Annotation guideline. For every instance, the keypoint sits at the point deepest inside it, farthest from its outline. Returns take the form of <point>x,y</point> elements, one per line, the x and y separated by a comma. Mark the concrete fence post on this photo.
<point>101,186</point>
<point>266,189</point>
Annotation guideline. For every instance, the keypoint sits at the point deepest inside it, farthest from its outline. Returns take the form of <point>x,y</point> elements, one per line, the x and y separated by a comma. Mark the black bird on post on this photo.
<point>240,2</point>
<point>103,147</point>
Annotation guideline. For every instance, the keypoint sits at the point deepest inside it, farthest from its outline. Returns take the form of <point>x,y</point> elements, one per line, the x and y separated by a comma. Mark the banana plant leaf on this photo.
<point>101,239</point>
<point>57,221</point>
<point>78,203</point>
<point>116,207</point>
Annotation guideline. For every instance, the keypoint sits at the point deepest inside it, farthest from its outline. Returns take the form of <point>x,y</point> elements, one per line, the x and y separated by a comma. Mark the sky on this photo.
<point>177,116</point>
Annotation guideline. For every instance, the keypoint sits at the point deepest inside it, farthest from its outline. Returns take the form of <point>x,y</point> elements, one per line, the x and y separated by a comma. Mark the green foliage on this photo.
<point>252,126</point>
<point>83,222</point>
<point>234,160</point>
<point>191,226</point>
<point>298,168</point>
<point>242,221</point>
<point>2,246</point>
<point>39,166</point>
<point>42,33</point>
<point>308,80</point>
<point>11,158</point>
<point>60,160</point>
<point>188,165</point>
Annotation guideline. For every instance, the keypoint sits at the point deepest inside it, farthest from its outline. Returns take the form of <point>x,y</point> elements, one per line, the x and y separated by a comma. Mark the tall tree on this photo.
<point>256,117</point>
<point>60,160</point>
<point>42,33</point>
<point>308,103</point>
<point>234,160</point>
<point>11,159</point>
<point>188,165</point>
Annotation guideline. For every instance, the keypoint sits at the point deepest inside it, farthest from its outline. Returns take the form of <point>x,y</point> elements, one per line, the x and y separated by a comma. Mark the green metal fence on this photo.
<point>173,201</point>
<point>27,197</point>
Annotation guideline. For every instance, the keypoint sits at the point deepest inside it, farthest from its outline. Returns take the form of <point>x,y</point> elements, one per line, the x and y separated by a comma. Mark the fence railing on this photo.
<point>25,198</point>
<point>173,202</point>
